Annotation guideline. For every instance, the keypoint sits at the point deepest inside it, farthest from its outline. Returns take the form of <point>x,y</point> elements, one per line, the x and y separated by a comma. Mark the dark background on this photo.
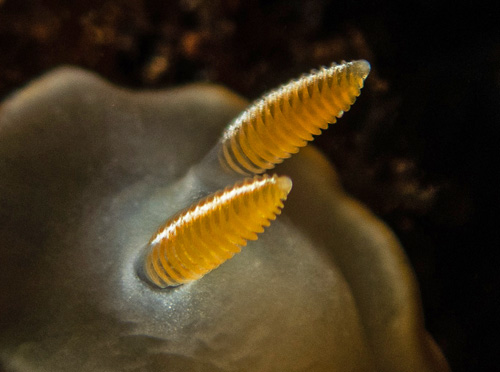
<point>419,147</point>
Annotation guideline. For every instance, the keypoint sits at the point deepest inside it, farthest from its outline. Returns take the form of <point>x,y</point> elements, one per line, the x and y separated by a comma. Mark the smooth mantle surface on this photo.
<point>89,171</point>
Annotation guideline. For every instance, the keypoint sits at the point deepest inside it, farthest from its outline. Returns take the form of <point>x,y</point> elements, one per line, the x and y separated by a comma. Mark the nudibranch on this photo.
<point>88,173</point>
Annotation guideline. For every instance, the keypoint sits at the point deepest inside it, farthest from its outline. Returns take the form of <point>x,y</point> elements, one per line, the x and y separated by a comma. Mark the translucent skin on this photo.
<point>88,171</point>
<point>275,127</point>
<point>199,239</point>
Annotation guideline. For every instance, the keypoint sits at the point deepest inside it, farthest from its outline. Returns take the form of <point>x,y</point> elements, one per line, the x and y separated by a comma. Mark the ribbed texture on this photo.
<point>285,120</point>
<point>210,232</point>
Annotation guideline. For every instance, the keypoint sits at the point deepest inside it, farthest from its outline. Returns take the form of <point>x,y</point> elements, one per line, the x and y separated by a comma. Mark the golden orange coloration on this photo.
<point>199,239</point>
<point>285,120</point>
<point>202,237</point>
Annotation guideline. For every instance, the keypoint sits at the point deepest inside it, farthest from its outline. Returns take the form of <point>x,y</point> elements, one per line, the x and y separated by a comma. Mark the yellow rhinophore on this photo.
<point>199,239</point>
<point>279,124</point>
